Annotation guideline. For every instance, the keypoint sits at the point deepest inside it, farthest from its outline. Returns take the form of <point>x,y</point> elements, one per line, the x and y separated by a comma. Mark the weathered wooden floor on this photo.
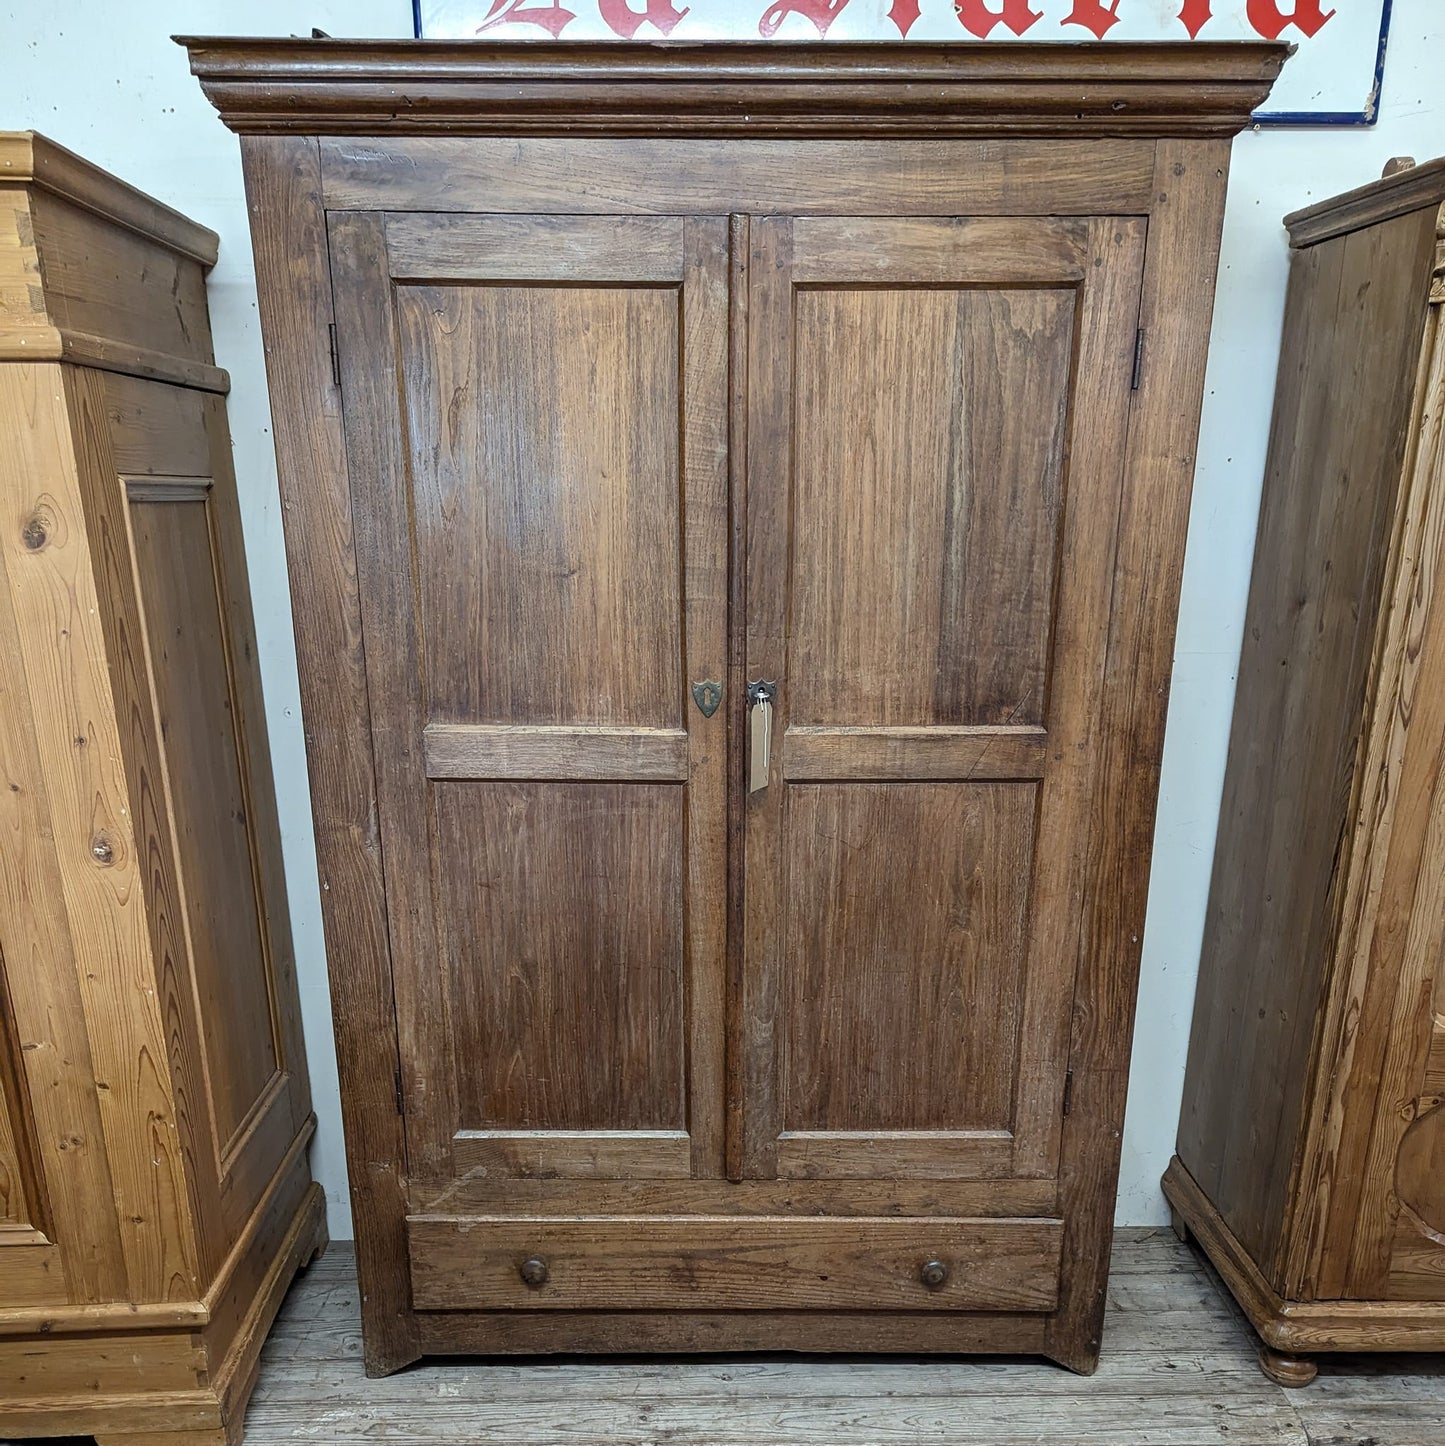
<point>1178,1370</point>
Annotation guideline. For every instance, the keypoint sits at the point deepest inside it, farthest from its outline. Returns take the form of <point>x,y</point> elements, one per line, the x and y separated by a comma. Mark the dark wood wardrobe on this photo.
<point>735,501</point>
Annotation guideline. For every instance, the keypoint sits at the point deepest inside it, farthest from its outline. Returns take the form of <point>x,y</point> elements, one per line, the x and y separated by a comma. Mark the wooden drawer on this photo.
<point>731,1263</point>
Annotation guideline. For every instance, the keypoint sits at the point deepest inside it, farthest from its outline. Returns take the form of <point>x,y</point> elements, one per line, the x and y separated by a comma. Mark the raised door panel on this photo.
<point>535,414</point>
<point>564,911</point>
<point>896,479</point>
<point>215,888</point>
<point>937,423</point>
<point>856,940</point>
<point>171,537</point>
<point>549,594</point>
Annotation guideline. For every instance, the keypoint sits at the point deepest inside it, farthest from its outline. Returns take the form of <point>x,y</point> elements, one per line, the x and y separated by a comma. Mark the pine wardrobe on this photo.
<point>155,1107</point>
<point>1311,1155</point>
<point>735,500</point>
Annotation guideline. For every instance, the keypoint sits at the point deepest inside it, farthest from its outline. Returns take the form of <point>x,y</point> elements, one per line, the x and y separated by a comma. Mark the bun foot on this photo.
<point>1287,1370</point>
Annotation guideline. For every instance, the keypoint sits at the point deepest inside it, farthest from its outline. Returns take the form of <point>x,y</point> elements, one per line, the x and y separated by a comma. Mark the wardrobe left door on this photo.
<point>536,431</point>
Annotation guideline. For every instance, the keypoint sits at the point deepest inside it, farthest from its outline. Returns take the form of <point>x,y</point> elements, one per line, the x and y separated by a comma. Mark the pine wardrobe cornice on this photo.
<point>761,89</point>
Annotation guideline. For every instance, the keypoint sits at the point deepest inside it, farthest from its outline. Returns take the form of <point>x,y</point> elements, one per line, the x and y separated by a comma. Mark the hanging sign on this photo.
<point>1333,79</point>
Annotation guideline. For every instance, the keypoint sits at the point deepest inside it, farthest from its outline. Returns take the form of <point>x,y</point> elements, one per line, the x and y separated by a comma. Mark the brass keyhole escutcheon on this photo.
<point>534,1272</point>
<point>933,1273</point>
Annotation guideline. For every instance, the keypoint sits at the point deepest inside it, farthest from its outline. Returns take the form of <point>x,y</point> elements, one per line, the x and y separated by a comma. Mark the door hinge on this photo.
<point>1068,1091</point>
<point>400,1096</point>
<point>336,353</point>
<point>1138,360</point>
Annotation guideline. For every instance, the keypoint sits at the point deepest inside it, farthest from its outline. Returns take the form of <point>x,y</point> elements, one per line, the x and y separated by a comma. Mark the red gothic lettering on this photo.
<point>903,13</point>
<point>626,22</point>
<point>821,12</point>
<point>1094,16</point>
<point>551,18</point>
<point>978,19</point>
<point>1270,20</point>
<point>1194,15</point>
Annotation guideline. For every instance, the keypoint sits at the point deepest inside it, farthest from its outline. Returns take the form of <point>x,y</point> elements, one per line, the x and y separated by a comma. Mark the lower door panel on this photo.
<point>731,1263</point>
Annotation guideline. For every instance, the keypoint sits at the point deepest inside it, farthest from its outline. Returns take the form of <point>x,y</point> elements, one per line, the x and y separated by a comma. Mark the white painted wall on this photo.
<point>103,78</point>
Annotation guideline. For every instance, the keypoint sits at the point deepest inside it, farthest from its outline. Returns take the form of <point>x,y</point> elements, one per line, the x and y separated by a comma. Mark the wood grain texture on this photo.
<point>916,251</point>
<point>697,1263</point>
<point>193,1379</point>
<point>157,430</point>
<point>570,551</point>
<point>1398,194</point>
<point>143,766</point>
<point>524,750</point>
<point>288,228</point>
<point>1283,876</point>
<point>126,298</point>
<point>758,1001</point>
<point>772,88</point>
<point>22,1189</point>
<point>1327,1216</point>
<point>29,157</point>
<point>736,981</point>
<point>201,589</point>
<point>479,1193</point>
<point>903,1004</point>
<point>563,1154</point>
<point>1087,588</point>
<point>579,174</point>
<point>265,1140</point>
<point>40,963</point>
<point>115,284</point>
<point>817,754</point>
<point>707,628</point>
<point>534,248</point>
<point>1174,310</point>
<point>566,997</point>
<point>954,487</point>
<point>1390,949</point>
<point>228,1160</point>
<point>1295,1326</point>
<point>82,745</point>
<point>672,1332</point>
<point>396,675</point>
<point>1179,1369</point>
<point>175,574</point>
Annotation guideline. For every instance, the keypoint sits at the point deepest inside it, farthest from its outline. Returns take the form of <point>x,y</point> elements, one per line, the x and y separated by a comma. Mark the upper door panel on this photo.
<point>891,570</point>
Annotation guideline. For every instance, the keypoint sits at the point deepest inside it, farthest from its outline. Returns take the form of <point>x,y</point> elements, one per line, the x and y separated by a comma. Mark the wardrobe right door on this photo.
<point>936,434</point>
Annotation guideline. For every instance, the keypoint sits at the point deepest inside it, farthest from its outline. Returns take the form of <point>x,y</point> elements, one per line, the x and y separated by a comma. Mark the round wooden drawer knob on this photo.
<point>933,1273</point>
<point>534,1272</point>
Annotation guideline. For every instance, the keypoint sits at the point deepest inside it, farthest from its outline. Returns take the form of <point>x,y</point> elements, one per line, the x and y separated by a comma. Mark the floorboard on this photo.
<point>1178,1370</point>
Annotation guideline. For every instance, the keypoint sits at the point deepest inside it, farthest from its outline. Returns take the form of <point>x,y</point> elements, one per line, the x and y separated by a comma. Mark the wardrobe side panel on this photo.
<point>1330,492</point>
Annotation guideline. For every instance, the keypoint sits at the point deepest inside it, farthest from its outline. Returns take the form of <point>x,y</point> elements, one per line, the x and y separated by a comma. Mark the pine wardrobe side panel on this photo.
<point>227,971</point>
<point>1352,325</point>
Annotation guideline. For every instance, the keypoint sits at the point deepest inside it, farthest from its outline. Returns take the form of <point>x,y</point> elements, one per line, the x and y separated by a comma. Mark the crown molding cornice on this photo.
<point>1397,194</point>
<point>30,159</point>
<point>767,89</point>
